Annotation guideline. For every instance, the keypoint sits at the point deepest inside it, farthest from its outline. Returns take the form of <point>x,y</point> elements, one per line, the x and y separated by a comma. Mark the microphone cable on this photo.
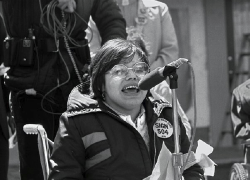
<point>56,28</point>
<point>64,29</point>
<point>195,116</point>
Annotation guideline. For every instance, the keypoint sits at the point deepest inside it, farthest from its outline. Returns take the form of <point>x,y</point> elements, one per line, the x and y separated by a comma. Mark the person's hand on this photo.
<point>67,5</point>
<point>3,69</point>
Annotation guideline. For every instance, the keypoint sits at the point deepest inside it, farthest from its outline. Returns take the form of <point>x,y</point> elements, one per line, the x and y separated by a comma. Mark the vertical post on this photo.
<point>230,39</point>
<point>177,156</point>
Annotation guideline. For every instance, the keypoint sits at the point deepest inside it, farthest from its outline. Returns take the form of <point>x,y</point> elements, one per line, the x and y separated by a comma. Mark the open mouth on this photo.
<point>131,89</point>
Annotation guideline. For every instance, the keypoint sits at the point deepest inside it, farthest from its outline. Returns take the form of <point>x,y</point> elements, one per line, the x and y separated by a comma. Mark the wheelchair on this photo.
<point>241,171</point>
<point>45,145</point>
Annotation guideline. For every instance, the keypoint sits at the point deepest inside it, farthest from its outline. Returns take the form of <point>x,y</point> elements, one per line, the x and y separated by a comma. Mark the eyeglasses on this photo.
<point>140,69</point>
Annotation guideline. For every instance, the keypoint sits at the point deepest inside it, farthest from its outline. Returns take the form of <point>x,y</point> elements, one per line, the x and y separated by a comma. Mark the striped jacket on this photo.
<point>94,143</point>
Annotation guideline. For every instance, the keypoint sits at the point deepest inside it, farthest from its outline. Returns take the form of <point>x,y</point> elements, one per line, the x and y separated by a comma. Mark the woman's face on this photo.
<point>122,92</point>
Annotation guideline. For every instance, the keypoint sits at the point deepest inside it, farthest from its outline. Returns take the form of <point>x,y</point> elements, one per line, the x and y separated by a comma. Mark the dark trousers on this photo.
<point>4,156</point>
<point>27,109</point>
<point>4,135</point>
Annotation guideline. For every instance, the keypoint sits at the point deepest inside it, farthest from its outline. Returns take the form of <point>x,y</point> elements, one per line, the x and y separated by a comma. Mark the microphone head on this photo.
<point>151,79</point>
<point>160,74</point>
<point>177,63</point>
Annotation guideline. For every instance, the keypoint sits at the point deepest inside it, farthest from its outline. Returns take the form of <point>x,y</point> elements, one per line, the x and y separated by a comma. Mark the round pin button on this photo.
<point>163,128</point>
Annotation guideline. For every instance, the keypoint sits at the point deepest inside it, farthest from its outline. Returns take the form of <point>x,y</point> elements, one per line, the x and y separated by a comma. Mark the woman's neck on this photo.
<point>133,112</point>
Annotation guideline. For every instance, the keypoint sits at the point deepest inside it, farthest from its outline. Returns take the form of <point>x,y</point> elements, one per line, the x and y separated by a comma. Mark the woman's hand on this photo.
<point>67,5</point>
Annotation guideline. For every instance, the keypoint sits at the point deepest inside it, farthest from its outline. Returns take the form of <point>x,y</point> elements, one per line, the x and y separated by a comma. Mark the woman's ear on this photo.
<point>103,91</point>
<point>103,87</point>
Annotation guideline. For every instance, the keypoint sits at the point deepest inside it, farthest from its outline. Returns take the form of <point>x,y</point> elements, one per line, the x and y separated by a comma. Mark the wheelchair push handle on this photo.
<point>33,129</point>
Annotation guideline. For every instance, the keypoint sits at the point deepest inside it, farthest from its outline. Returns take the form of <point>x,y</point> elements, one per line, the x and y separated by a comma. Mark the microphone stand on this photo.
<point>177,156</point>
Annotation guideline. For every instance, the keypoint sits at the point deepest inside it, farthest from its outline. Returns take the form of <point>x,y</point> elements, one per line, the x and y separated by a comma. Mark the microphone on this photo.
<point>160,74</point>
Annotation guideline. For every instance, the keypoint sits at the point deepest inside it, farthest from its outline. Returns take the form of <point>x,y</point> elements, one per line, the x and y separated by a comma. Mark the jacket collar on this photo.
<point>75,105</point>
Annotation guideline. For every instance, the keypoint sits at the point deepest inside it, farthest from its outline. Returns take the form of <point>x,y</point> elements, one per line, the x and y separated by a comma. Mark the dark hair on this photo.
<point>112,53</point>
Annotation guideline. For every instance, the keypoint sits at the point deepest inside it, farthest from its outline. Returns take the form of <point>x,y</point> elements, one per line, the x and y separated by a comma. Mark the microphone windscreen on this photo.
<point>150,80</point>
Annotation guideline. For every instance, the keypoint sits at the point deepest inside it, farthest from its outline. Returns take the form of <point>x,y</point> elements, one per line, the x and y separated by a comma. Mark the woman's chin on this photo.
<point>135,94</point>
<point>133,102</point>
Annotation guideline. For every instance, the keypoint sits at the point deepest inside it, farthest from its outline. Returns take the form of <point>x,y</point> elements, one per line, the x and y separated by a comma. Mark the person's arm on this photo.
<point>68,158</point>
<point>93,37</point>
<point>109,20</point>
<point>169,50</point>
<point>240,111</point>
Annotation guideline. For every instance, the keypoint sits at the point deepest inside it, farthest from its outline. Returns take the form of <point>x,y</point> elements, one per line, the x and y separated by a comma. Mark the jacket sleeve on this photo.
<point>109,20</point>
<point>195,172</point>
<point>240,110</point>
<point>67,159</point>
<point>169,50</point>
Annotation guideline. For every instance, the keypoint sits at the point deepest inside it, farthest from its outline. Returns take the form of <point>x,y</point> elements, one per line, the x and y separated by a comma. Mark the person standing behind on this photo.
<point>4,137</point>
<point>151,20</point>
<point>47,38</point>
<point>240,110</point>
<point>4,131</point>
<point>240,114</point>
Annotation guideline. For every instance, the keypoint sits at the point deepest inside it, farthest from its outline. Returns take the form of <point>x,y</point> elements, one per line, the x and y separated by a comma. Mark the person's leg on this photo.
<point>28,110</point>
<point>4,156</point>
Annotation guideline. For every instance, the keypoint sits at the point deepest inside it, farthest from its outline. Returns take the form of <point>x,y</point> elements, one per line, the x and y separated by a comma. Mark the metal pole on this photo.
<point>177,156</point>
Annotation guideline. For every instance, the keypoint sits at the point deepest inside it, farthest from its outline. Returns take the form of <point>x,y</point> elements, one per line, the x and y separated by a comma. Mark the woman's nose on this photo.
<point>131,75</point>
